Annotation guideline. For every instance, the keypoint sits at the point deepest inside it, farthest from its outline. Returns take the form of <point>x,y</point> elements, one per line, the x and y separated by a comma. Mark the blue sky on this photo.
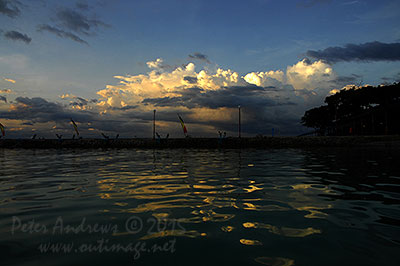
<point>63,57</point>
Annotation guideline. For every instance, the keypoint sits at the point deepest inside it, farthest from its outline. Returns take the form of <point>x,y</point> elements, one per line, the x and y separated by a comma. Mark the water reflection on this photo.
<point>258,206</point>
<point>283,231</point>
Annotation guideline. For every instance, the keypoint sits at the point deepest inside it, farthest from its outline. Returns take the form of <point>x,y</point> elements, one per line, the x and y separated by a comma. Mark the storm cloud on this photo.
<point>38,109</point>
<point>230,97</point>
<point>17,36</point>
<point>371,51</point>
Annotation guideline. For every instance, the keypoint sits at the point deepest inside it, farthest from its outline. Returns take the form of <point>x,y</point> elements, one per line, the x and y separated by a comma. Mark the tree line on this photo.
<point>364,110</point>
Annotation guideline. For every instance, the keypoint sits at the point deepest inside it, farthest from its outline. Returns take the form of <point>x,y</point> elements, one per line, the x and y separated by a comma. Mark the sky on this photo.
<point>108,64</point>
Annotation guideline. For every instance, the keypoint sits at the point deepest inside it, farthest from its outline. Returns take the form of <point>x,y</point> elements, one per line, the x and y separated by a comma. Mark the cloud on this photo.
<point>38,109</point>
<point>372,51</point>
<point>200,56</point>
<point>158,63</point>
<point>60,33</point>
<point>17,36</point>
<point>9,80</point>
<point>190,80</point>
<point>3,98</point>
<point>77,22</point>
<point>251,96</point>
<point>9,8</point>
<point>71,23</point>
<point>209,99</point>
<point>206,99</point>
<point>8,91</point>
<point>77,102</point>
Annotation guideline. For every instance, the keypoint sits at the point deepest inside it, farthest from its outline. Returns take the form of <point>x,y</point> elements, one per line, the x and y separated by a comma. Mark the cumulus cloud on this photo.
<point>3,98</point>
<point>210,99</point>
<point>17,36</point>
<point>308,76</point>
<point>200,56</point>
<point>206,99</point>
<point>158,63</point>
<point>60,33</point>
<point>9,8</point>
<point>371,51</point>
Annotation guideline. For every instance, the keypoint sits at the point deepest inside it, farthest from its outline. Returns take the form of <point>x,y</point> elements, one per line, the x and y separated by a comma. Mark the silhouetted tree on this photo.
<point>366,110</point>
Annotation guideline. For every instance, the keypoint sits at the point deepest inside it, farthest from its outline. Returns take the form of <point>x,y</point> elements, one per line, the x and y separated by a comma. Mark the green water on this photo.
<point>200,207</point>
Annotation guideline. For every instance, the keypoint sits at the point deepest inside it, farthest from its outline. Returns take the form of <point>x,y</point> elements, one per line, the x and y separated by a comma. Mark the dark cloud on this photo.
<point>61,33</point>
<point>17,36</point>
<point>77,22</point>
<point>191,80</point>
<point>125,108</point>
<point>372,51</point>
<point>81,102</point>
<point>70,23</point>
<point>200,56</point>
<point>9,8</point>
<point>40,110</point>
<point>3,98</point>
<point>230,97</point>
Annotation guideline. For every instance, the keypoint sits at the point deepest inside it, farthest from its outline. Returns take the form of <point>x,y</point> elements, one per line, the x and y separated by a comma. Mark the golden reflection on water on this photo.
<point>274,261</point>
<point>284,231</point>
<point>250,242</point>
<point>200,197</point>
<point>305,199</point>
<point>227,228</point>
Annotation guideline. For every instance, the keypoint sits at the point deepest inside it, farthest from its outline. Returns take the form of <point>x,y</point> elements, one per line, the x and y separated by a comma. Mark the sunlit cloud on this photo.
<point>207,99</point>
<point>10,80</point>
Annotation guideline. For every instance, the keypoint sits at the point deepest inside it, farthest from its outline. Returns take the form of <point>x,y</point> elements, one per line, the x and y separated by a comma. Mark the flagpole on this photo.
<point>240,133</point>
<point>154,124</point>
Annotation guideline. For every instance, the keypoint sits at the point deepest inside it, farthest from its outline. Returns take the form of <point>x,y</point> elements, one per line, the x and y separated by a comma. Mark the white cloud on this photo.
<point>133,89</point>
<point>309,76</point>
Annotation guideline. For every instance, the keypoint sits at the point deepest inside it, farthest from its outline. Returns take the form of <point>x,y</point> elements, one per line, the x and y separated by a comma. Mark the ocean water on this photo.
<point>275,207</point>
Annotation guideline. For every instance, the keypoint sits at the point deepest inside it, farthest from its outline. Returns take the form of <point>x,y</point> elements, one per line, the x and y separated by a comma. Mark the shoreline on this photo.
<point>207,143</point>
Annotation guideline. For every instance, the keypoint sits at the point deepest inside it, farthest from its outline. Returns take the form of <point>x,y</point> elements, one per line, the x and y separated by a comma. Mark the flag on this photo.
<point>183,125</point>
<point>75,127</point>
<point>3,132</point>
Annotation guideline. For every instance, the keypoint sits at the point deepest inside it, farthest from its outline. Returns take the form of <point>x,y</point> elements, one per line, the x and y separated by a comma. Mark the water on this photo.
<point>200,207</point>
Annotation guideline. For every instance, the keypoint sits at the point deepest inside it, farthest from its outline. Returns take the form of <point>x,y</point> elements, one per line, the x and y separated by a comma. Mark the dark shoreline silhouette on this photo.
<point>207,143</point>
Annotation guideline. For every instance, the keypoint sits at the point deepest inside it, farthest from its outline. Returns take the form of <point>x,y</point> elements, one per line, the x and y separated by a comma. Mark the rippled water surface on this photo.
<point>200,207</point>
